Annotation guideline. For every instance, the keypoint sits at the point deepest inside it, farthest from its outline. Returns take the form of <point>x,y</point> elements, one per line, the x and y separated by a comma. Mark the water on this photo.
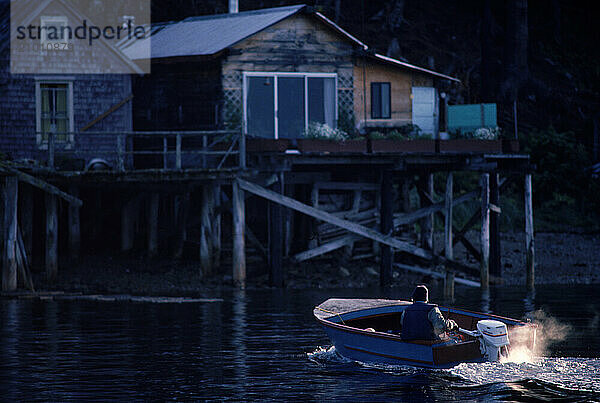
<point>264,345</point>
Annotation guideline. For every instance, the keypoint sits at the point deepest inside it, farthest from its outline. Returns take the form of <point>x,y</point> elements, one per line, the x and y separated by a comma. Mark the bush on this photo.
<point>318,130</point>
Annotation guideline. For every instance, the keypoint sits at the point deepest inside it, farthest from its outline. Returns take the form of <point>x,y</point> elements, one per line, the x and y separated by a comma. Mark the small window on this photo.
<point>380,101</point>
<point>54,112</point>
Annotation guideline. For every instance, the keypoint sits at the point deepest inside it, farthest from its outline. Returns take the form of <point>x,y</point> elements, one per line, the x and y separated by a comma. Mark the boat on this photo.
<point>368,330</point>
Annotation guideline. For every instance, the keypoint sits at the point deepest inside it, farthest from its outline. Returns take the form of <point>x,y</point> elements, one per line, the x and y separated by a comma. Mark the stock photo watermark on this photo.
<point>80,37</point>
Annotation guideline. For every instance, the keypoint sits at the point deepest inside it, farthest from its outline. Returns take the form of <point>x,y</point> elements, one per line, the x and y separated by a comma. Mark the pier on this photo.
<point>170,193</point>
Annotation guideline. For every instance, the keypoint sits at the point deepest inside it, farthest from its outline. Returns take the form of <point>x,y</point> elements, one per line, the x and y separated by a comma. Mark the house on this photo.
<point>272,72</point>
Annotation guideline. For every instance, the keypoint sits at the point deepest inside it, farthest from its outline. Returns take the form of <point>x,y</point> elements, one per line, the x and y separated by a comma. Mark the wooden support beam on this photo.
<point>485,232</point>
<point>206,251</point>
<point>239,222</point>
<point>106,113</point>
<point>325,248</point>
<point>9,227</point>
<point>495,247</point>
<point>181,217</point>
<point>128,214</point>
<point>529,234</point>
<point>448,248</point>
<point>356,198</point>
<point>403,219</point>
<point>35,182</point>
<point>216,227</point>
<point>386,226</point>
<point>74,227</point>
<point>426,187</point>
<point>449,285</point>
<point>314,200</point>
<point>346,186</point>
<point>436,274</point>
<point>24,262</point>
<point>153,204</point>
<point>288,223</point>
<point>51,237</point>
<point>276,275</point>
<point>327,217</point>
<point>26,216</point>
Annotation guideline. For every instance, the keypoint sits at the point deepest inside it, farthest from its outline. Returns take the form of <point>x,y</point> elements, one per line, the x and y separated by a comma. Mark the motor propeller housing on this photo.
<point>493,336</point>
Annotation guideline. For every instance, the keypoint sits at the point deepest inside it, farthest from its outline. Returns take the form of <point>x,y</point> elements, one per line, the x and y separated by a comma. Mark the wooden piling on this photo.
<point>183,207</point>
<point>51,237</point>
<point>427,222</point>
<point>288,218</point>
<point>206,251</point>
<point>386,216</point>
<point>449,250</point>
<point>26,216</point>
<point>314,200</point>
<point>485,232</point>
<point>239,222</point>
<point>276,276</point>
<point>74,226</point>
<point>216,230</point>
<point>153,204</point>
<point>529,235</point>
<point>449,285</point>
<point>495,247</point>
<point>128,213</point>
<point>9,269</point>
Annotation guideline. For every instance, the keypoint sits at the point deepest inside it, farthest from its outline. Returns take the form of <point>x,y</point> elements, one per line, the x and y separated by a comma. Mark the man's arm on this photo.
<point>440,325</point>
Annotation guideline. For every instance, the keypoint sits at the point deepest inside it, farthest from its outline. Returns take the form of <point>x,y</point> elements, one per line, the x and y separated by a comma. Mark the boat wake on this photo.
<point>522,378</point>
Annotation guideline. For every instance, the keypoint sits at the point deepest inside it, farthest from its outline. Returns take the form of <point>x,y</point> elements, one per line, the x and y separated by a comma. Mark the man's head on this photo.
<point>421,293</point>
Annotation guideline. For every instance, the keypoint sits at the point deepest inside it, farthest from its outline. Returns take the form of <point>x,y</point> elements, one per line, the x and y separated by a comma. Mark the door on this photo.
<point>425,109</point>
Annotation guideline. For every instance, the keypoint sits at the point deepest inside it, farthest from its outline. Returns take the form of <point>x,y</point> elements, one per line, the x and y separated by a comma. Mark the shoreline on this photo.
<point>561,258</point>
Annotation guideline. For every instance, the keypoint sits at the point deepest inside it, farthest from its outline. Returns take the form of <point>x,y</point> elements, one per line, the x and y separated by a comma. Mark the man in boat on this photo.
<point>422,320</point>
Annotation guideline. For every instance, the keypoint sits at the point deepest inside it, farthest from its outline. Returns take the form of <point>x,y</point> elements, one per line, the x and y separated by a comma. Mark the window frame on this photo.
<point>39,82</point>
<point>275,75</point>
<point>381,100</point>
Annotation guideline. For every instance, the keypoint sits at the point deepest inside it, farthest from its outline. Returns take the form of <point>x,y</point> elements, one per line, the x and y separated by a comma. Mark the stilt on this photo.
<point>51,238</point>
<point>288,224</point>
<point>377,245</point>
<point>183,208</point>
<point>449,250</point>
<point>206,251</point>
<point>485,232</point>
<point>9,269</point>
<point>427,222</point>
<point>276,276</point>
<point>529,237</point>
<point>314,199</point>
<point>239,222</point>
<point>449,285</point>
<point>26,216</point>
<point>74,226</point>
<point>356,198</point>
<point>128,211</point>
<point>216,230</point>
<point>386,216</point>
<point>153,204</point>
<point>495,248</point>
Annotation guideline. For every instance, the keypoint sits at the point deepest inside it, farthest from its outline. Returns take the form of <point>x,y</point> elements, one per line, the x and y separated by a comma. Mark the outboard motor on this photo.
<point>492,335</point>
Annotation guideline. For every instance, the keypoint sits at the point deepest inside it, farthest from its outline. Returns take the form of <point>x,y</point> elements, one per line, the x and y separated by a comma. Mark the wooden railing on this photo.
<point>164,150</point>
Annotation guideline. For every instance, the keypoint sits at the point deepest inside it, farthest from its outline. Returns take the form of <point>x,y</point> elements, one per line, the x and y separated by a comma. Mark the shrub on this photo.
<point>318,130</point>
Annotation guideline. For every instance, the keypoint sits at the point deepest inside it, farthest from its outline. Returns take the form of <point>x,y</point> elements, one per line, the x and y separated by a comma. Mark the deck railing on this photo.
<point>126,151</point>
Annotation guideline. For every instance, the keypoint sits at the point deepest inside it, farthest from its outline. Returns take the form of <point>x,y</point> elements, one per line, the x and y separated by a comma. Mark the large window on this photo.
<point>282,105</point>
<point>54,111</point>
<point>380,101</point>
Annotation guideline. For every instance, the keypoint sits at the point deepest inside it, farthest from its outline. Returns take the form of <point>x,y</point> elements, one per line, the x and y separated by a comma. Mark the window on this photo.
<point>282,105</point>
<point>54,109</point>
<point>380,101</point>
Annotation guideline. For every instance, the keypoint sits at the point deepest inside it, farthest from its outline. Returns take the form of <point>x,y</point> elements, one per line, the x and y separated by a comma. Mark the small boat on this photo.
<point>368,330</point>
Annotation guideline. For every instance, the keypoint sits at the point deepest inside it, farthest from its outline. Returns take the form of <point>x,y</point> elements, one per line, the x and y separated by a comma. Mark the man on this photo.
<point>424,321</point>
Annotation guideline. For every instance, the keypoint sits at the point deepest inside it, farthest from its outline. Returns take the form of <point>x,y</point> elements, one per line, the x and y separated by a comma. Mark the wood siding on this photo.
<point>401,82</point>
<point>297,44</point>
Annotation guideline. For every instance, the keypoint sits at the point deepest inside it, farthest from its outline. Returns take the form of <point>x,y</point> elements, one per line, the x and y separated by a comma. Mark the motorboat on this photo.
<point>368,330</point>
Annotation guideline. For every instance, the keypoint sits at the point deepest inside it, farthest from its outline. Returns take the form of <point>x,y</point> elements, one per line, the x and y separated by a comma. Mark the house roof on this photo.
<point>209,35</point>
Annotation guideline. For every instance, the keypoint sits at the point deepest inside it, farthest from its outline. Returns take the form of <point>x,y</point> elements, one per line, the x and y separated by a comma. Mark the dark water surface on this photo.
<point>265,345</point>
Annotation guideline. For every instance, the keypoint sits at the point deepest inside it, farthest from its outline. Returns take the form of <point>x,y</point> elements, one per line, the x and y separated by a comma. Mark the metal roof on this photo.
<point>208,35</point>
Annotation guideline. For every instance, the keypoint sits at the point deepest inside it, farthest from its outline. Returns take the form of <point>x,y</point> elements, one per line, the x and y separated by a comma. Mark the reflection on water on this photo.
<point>265,345</point>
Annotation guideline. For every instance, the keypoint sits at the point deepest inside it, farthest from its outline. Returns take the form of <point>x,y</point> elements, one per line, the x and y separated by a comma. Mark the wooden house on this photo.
<point>274,71</point>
